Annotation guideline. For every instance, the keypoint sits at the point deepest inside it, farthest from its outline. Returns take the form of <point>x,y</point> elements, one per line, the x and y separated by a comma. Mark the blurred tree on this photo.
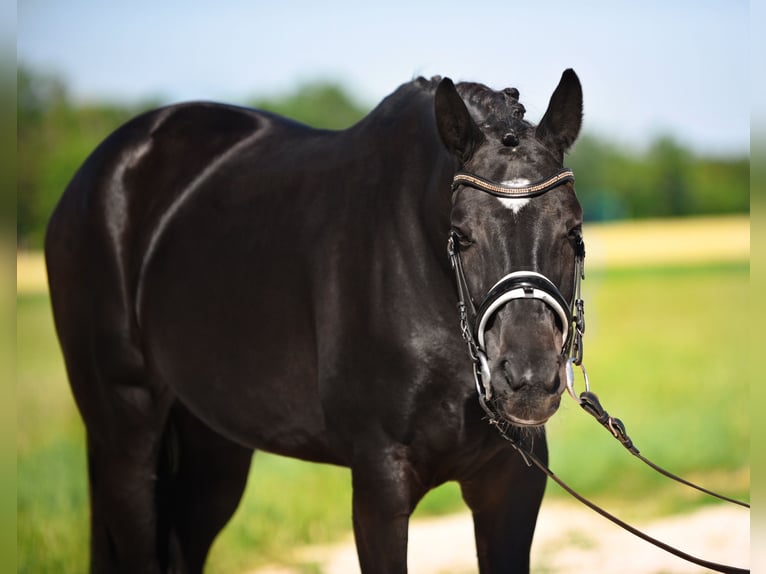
<point>595,162</point>
<point>669,174</point>
<point>667,180</point>
<point>720,186</point>
<point>7,153</point>
<point>322,105</point>
<point>37,98</point>
<point>54,137</point>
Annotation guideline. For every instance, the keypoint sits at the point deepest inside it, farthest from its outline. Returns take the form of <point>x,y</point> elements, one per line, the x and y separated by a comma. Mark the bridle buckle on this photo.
<point>571,378</point>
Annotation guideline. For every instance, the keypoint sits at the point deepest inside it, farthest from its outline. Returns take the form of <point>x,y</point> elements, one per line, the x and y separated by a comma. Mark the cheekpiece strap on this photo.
<point>501,190</point>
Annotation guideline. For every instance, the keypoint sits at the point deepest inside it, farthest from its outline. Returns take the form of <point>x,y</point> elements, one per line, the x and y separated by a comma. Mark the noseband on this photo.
<point>519,285</point>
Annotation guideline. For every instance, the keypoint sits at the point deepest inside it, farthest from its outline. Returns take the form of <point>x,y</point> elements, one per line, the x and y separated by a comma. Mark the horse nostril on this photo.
<point>519,379</point>
<point>516,381</point>
<point>554,387</point>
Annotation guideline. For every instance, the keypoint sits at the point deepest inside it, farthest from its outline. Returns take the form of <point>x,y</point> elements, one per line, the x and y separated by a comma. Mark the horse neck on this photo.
<point>413,173</point>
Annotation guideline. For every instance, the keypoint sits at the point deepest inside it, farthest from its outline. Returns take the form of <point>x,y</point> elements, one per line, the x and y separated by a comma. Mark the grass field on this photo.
<point>666,349</point>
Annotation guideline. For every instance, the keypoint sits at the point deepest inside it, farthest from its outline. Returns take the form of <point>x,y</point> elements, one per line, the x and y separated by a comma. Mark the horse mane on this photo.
<point>500,109</point>
<point>485,104</point>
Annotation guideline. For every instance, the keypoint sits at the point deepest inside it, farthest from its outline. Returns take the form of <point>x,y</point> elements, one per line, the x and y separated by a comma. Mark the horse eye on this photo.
<point>462,238</point>
<point>575,237</point>
<point>575,233</point>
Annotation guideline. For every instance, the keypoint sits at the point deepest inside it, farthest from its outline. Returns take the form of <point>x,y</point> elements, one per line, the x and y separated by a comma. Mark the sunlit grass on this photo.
<point>666,351</point>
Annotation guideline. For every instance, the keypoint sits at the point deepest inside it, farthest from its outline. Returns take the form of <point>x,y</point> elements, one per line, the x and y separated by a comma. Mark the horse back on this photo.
<point>118,197</point>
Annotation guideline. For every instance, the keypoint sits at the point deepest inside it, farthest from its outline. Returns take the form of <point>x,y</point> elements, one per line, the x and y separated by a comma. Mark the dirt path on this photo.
<point>570,539</point>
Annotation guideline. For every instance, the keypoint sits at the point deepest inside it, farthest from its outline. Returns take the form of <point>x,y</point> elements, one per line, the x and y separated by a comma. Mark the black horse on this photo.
<point>225,280</point>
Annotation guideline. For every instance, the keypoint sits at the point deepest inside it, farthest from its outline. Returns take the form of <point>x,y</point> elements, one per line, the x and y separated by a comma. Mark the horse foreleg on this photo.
<point>504,497</point>
<point>386,491</point>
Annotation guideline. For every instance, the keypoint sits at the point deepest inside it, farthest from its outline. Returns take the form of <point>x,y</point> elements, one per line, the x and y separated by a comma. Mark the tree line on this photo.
<point>56,134</point>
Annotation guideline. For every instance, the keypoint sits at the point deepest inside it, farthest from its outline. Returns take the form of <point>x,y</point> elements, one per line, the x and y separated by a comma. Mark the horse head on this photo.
<point>516,238</point>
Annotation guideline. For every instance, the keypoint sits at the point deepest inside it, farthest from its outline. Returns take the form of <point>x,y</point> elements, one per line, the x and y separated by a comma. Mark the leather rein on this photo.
<point>532,285</point>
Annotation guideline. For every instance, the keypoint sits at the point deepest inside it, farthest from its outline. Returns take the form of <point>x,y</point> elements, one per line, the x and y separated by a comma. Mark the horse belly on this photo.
<point>227,321</point>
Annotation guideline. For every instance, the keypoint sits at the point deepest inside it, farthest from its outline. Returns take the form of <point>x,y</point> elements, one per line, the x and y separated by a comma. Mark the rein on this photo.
<point>532,285</point>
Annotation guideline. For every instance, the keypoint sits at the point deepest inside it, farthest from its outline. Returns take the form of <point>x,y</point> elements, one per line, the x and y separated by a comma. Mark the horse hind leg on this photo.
<point>201,479</point>
<point>162,484</point>
<point>124,419</point>
<point>124,412</point>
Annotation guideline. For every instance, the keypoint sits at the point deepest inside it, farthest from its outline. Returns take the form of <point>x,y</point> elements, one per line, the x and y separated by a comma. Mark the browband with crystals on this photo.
<point>500,190</point>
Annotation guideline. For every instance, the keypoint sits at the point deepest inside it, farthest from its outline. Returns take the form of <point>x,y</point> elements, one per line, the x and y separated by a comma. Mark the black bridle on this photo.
<point>533,285</point>
<point>518,285</point>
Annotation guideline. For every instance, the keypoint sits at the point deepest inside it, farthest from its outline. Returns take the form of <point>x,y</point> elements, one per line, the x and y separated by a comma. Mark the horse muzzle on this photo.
<point>524,381</point>
<point>526,387</point>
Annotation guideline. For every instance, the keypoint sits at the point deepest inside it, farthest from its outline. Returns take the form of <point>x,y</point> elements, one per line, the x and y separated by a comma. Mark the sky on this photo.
<point>648,68</point>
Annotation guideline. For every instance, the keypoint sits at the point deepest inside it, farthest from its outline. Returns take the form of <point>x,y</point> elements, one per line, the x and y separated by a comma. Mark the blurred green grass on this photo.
<point>8,404</point>
<point>666,349</point>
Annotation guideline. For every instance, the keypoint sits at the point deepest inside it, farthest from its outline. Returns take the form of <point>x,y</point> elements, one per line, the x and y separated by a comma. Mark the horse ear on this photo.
<point>456,127</point>
<point>562,120</point>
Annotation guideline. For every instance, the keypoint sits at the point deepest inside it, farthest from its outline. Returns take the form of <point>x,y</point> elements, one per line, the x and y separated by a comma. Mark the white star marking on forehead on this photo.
<point>514,204</point>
